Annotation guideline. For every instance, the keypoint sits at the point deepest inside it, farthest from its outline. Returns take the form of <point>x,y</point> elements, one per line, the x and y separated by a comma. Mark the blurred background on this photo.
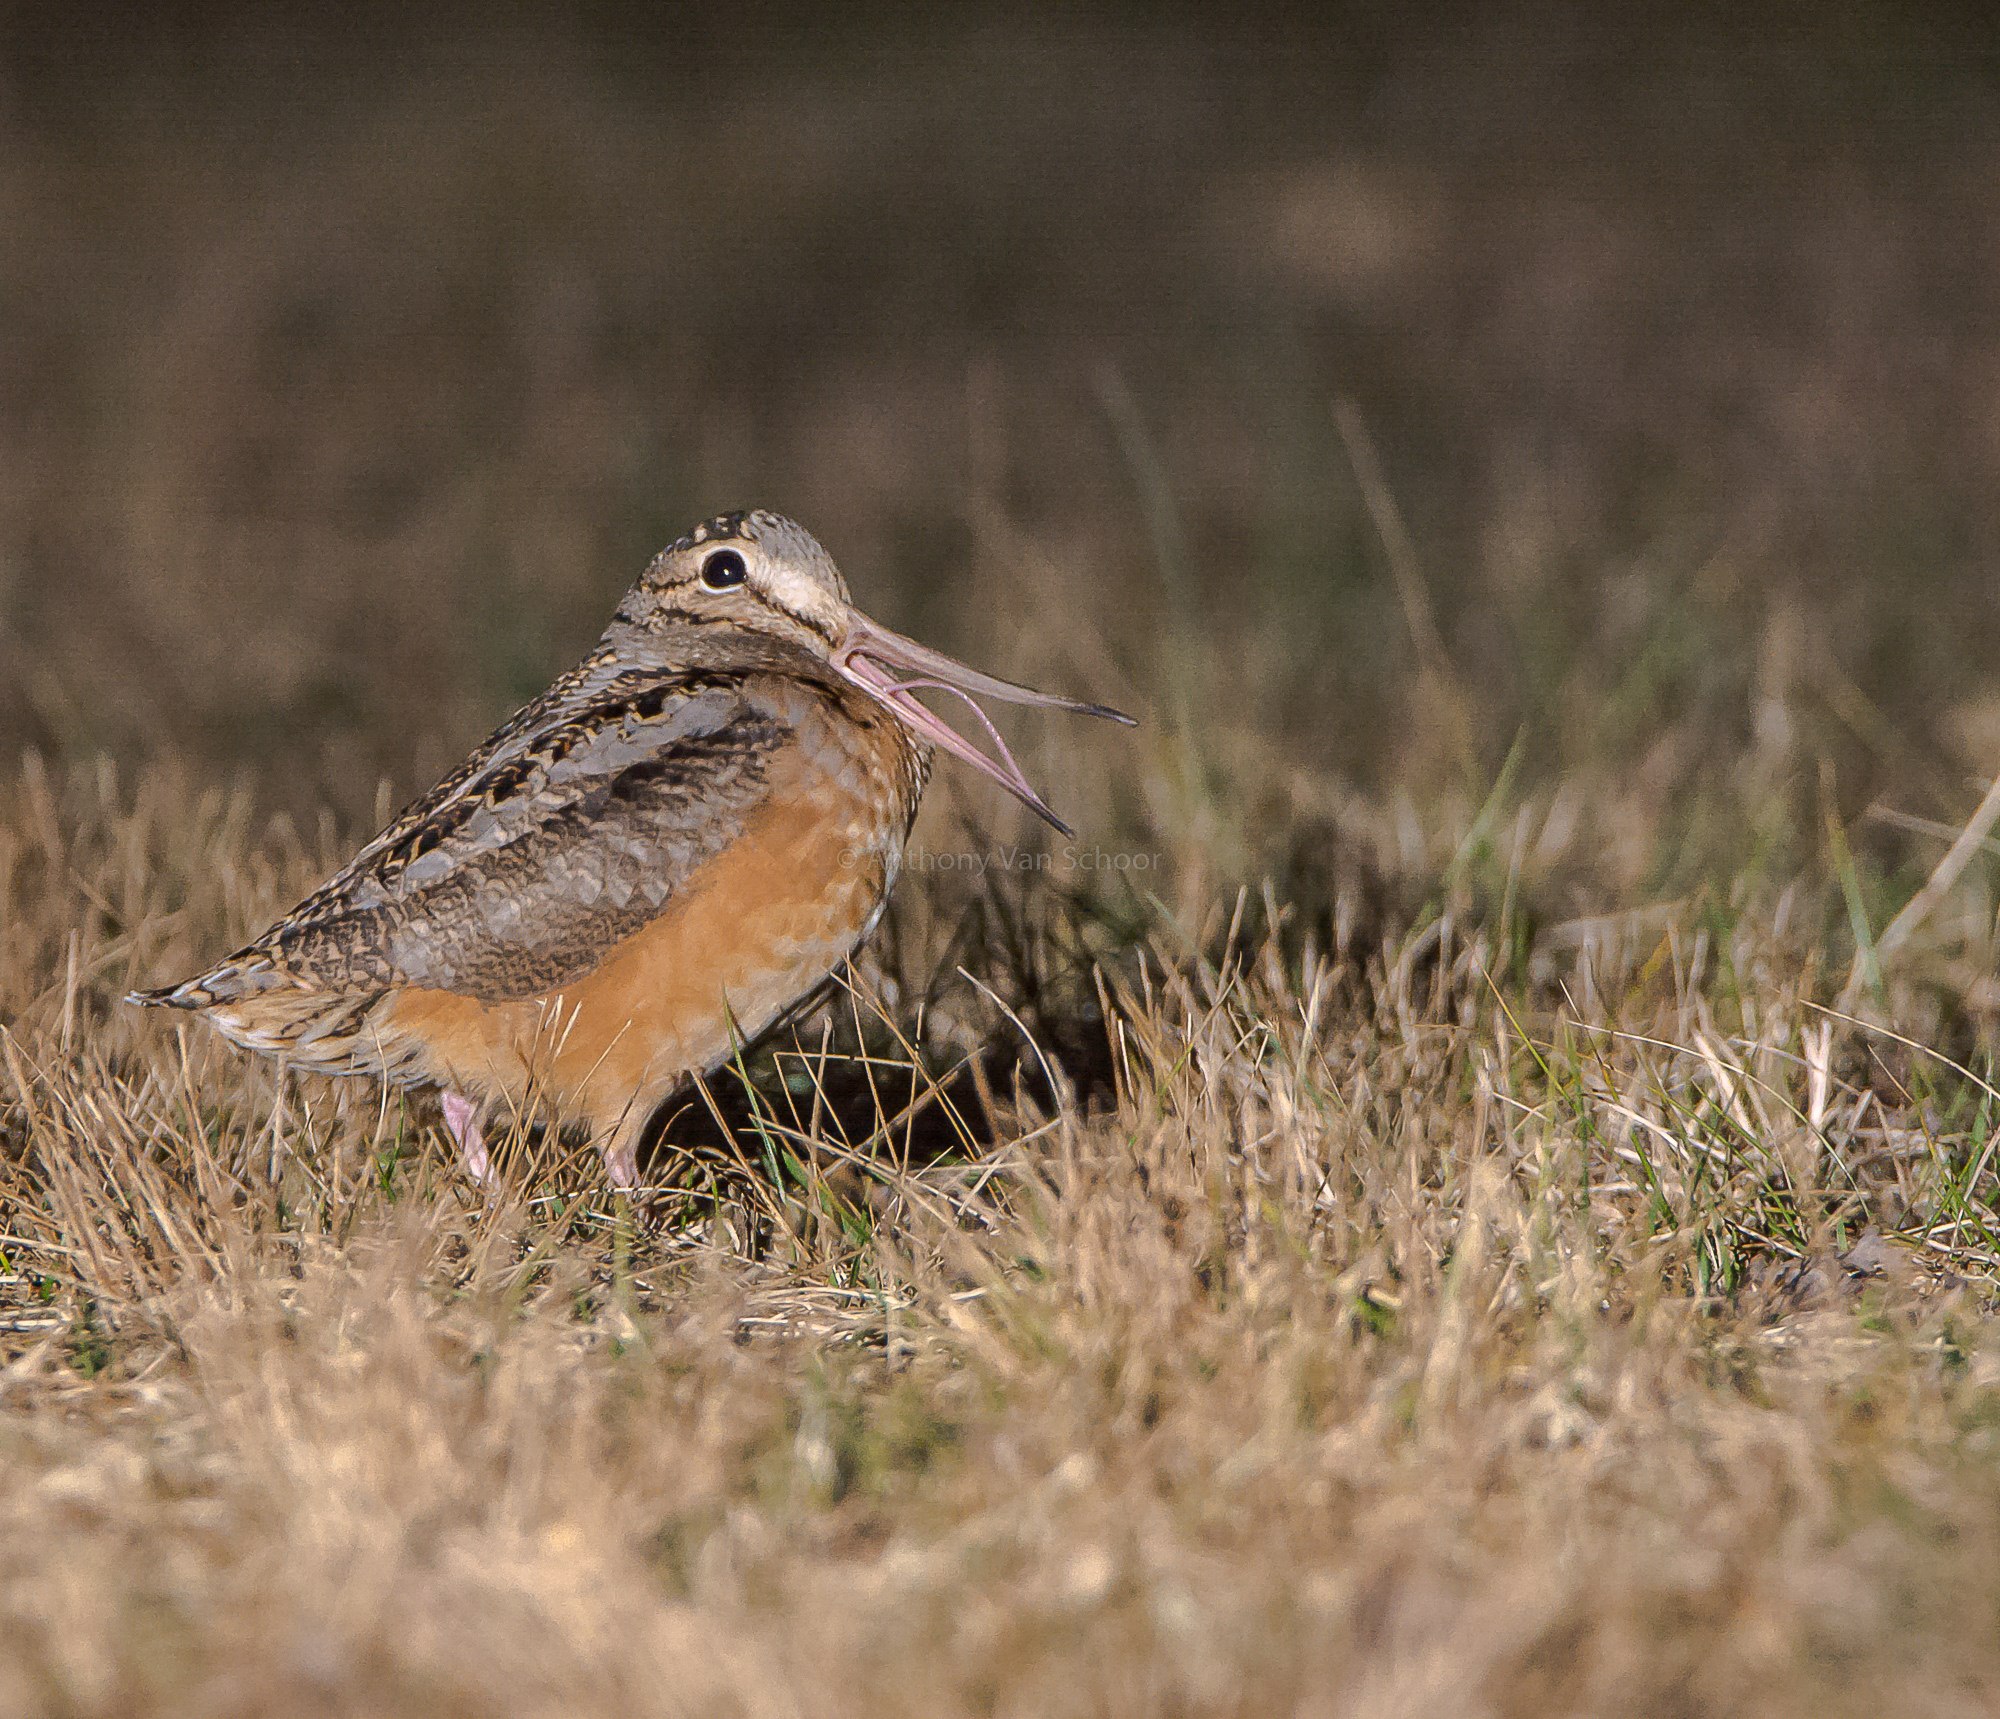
<point>1371,401</point>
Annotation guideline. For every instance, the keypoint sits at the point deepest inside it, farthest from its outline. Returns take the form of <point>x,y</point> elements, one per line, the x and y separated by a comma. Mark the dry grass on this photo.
<point>1578,1323</point>
<point>1499,1216</point>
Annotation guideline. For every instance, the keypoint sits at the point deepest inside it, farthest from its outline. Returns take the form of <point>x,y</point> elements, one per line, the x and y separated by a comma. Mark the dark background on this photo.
<point>351,367</point>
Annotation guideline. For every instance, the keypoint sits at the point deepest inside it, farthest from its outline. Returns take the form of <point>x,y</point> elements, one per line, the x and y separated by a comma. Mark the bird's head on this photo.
<point>760,573</point>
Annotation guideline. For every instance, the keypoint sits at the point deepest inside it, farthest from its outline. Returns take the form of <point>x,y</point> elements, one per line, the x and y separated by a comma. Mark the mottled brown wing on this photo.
<point>594,683</point>
<point>563,835</point>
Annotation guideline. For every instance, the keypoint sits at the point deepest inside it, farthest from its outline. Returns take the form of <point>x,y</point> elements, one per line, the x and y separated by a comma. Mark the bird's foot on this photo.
<point>461,1120</point>
<point>618,1145</point>
<point>621,1165</point>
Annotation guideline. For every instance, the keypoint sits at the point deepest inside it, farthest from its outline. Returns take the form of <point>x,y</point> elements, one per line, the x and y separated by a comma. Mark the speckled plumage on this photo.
<point>679,839</point>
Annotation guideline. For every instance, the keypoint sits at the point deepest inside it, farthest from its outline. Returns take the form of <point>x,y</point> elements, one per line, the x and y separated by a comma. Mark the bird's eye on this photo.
<point>723,571</point>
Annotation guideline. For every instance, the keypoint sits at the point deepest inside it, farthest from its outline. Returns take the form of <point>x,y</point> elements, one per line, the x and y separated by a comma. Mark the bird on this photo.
<point>663,856</point>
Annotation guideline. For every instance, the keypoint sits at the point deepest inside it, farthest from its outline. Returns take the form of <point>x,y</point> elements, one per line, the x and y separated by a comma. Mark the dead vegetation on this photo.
<point>1591,1323</point>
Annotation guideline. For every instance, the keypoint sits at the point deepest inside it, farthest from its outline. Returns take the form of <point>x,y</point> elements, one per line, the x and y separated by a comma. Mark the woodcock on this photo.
<point>647,867</point>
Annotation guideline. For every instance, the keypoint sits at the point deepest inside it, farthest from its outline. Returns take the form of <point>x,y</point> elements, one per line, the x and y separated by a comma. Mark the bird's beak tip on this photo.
<point>893,669</point>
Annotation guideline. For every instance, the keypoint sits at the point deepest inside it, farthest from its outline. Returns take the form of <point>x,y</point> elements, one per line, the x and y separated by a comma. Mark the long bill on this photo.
<point>895,669</point>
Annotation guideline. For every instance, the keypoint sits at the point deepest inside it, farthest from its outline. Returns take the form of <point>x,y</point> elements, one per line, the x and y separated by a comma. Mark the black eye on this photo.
<point>724,571</point>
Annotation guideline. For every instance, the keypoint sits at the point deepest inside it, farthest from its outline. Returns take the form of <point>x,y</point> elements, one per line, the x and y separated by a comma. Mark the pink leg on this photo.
<point>621,1165</point>
<point>621,1151</point>
<point>461,1119</point>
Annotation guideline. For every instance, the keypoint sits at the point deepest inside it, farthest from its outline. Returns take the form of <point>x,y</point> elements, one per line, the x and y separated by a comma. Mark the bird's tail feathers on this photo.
<point>239,976</point>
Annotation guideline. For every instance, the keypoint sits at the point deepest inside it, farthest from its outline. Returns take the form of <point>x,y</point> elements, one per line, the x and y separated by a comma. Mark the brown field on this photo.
<point>1470,1189</point>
